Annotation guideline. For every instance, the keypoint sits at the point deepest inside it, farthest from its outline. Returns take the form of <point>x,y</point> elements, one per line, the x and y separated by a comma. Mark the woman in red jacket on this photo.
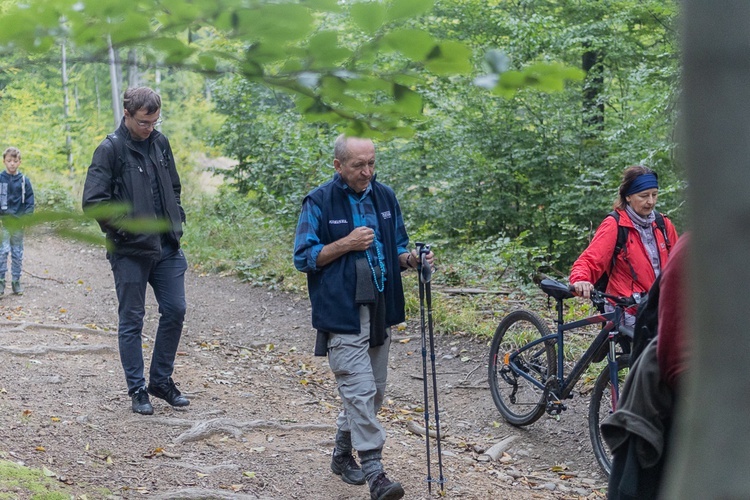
<point>646,248</point>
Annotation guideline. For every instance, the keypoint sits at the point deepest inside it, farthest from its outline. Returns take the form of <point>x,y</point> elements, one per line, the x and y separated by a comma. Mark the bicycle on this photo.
<point>527,371</point>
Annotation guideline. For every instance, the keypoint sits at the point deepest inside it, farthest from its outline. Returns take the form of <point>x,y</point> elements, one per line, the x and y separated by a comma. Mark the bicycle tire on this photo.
<point>600,407</point>
<point>519,401</point>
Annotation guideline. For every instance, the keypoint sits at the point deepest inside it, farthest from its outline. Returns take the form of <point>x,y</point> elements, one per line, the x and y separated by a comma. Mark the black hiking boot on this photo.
<point>381,488</point>
<point>169,393</point>
<point>348,468</point>
<point>16,286</point>
<point>141,403</point>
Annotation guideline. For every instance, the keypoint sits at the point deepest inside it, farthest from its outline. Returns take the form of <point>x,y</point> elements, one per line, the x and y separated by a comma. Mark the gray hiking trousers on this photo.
<point>361,373</point>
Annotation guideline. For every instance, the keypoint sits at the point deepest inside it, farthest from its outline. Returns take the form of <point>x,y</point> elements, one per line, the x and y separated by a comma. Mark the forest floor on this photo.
<point>260,422</point>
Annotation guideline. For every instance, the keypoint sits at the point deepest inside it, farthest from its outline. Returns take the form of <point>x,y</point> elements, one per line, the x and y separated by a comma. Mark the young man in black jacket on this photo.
<point>132,178</point>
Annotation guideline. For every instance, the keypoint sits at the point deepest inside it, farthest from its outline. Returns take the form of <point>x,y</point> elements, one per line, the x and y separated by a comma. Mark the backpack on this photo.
<point>622,238</point>
<point>646,321</point>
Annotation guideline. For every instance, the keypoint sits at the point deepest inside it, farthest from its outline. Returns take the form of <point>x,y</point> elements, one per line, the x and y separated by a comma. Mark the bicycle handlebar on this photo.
<point>561,291</point>
<point>597,297</point>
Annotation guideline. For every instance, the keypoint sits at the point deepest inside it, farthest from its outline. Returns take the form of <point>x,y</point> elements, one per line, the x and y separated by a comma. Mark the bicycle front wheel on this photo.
<point>602,405</point>
<point>520,401</point>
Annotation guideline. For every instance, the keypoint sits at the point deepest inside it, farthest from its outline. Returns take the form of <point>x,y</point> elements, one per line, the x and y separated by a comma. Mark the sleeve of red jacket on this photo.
<point>597,258</point>
<point>671,233</point>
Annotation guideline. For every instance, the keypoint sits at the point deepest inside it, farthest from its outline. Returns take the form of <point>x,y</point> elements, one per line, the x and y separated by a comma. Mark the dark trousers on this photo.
<point>167,279</point>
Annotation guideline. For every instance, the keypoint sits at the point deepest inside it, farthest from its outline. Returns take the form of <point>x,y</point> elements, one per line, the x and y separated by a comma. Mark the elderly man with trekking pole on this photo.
<point>352,244</point>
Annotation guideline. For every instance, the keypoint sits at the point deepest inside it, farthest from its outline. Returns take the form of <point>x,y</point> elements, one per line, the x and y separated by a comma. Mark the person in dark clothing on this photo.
<point>133,170</point>
<point>639,432</point>
<point>16,199</point>
<point>351,242</point>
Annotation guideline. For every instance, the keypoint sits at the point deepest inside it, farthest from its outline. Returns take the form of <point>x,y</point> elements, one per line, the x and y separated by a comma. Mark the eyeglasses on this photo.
<point>149,124</point>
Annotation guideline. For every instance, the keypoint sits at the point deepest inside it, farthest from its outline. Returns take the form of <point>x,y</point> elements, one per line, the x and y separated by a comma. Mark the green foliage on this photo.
<point>227,234</point>
<point>279,156</point>
<point>283,44</point>
<point>529,177</point>
<point>53,196</point>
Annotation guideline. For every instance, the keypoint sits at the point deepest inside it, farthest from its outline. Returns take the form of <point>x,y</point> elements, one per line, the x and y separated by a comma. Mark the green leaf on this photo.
<point>405,9</point>
<point>173,49</point>
<point>207,62</point>
<point>407,101</point>
<point>325,51</point>
<point>413,43</point>
<point>271,23</point>
<point>449,57</point>
<point>368,16</point>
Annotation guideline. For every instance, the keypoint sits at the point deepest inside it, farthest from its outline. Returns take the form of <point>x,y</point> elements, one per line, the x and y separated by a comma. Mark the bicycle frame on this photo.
<point>562,386</point>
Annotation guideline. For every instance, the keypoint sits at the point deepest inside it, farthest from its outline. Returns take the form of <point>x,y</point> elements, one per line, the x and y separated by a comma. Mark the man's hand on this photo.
<point>430,257</point>
<point>410,260</point>
<point>360,239</point>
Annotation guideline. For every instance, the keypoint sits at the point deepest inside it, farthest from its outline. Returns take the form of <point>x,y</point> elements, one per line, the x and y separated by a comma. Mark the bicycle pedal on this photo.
<point>556,407</point>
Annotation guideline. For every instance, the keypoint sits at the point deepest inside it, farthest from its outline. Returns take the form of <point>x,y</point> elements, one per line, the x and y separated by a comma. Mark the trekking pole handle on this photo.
<point>423,267</point>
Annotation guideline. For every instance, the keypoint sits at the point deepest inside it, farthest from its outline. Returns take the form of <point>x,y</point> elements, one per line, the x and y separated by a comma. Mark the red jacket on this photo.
<point>597,258</point>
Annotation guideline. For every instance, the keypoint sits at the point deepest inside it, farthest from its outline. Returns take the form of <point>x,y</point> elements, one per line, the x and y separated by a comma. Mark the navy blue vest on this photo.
<point>332,289</point>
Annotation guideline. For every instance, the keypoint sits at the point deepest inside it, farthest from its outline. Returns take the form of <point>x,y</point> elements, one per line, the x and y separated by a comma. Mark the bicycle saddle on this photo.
<point>555,289</point>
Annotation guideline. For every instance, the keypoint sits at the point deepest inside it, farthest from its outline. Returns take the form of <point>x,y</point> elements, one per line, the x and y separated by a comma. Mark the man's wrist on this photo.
<point>409,258</point>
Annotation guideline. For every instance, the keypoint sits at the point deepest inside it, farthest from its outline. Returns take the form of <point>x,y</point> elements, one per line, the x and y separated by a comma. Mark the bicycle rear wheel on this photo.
<point>601,406</point>
<point>519,401</point>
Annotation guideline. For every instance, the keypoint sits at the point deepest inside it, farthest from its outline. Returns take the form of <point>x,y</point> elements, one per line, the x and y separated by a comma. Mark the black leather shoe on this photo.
<point>169,393</point>
<point>141,404</point>
<point>382,488</point>
<point>348,468</point>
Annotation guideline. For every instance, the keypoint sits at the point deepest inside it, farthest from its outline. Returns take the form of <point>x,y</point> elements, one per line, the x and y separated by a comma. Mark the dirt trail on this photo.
<point>260,423</point>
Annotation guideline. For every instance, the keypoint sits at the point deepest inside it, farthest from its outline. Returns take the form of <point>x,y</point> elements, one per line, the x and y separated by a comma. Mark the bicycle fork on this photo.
<point>614,381</point>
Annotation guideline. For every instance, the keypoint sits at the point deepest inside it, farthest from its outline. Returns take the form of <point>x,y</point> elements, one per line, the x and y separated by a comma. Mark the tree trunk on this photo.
<point>66,108</point>
<point>113,75</point>
<point>134,78</point>
<point>593,107</point>
<point>711,456</point>
<point>98,97</point>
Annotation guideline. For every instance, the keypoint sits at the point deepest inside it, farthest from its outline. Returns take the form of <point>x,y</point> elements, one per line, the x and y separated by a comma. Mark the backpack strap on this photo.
<point>622,237</point>
<point>663,228</point>
<point>23,189</point>
<point>120,151</point>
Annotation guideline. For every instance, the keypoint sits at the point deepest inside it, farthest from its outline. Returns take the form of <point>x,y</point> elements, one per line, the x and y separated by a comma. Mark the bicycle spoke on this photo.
<point>603,403</point>
<point>517,398</point>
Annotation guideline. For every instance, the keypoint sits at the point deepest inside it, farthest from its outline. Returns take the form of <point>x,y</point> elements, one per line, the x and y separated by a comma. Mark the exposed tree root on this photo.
<point>204,469</point>
<point>21,326</point>
<point>9,327</point>
<point>208,428</point>
<point>201,494</point>
<point>65,349</point>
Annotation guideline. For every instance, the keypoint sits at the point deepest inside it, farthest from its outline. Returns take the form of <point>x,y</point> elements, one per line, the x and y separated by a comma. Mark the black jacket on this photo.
<point>118,175</point>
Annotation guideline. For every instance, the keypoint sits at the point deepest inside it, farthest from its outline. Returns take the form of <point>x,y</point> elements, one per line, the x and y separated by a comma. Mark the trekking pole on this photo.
<point>420,247</point>
<point>426,276</point>
<point>425,295</point>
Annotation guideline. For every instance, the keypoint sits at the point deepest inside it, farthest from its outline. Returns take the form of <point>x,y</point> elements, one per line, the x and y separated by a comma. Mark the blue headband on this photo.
<point>642,183</point>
